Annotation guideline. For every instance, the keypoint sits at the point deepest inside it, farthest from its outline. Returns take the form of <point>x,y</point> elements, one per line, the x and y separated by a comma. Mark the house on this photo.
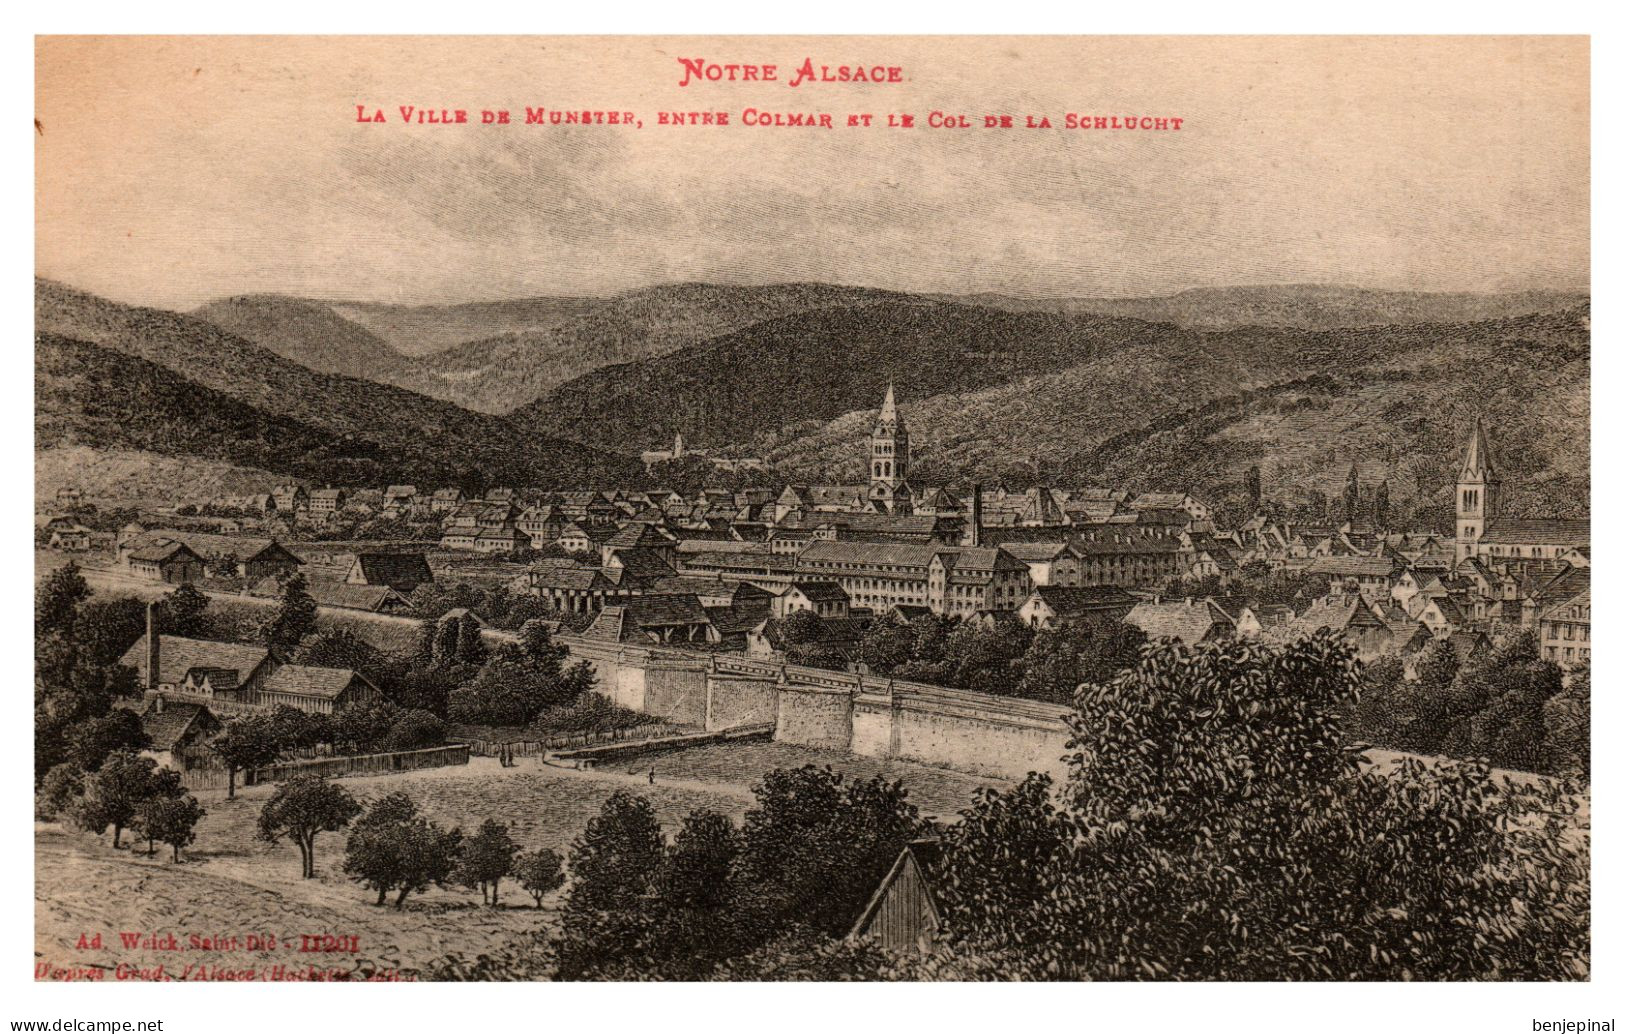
<point>506,539</point>
<point>270,561</point>
<point>1172,501</point>
<point>766,639</point>
<point>1565,631</point>
<point>398,498</point>
<point>653,619</point>
<point>1048,563</point>
<point>317,690</point>
<point>569,587</point>
<point>166,560</point>
<point>1190,621</point>
<point>1371,576</point>
<point>69,496</point>
<point>1350,615</point>
<point>74,538</point>
<point>446,500</point>
<point>402,572</point>
<point>325,502</point>
<point>640,536</point>
<point>178,732</point>
<point>290,498</point>
<point>954,580</point>
<point>826,599</point>
<point>374,599</point>
<point>902,915</point>
<point>1051,605</point>
<point>233,672</point>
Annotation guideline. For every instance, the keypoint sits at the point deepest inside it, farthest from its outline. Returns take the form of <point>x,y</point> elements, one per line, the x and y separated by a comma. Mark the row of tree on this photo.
<point>1508,705</point>
<point>1216,822</point>
<point>393,848</point>
<point>125,791</point>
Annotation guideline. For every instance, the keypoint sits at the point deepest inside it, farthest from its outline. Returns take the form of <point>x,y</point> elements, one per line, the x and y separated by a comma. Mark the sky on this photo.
<point>170,171</point>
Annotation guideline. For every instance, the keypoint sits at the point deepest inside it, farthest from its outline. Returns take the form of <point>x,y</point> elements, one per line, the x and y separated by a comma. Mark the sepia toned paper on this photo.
<point>767,508</point>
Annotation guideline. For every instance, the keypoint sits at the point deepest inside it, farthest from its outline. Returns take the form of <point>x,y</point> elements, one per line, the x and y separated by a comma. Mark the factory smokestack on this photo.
<point>152,646</point>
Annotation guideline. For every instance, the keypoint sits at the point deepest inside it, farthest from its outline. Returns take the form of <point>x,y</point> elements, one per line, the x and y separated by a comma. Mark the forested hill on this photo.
<point>820,364</point>
<point>365,422</point>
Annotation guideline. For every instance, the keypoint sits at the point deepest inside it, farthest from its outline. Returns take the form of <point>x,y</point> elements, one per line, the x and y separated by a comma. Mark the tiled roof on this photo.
<point>1188,622</point>
<point>165,728</point>
<point>1544,531</point>
<point>177,656</point>
<point>1353,566</point>
<point>400,571</point>
<point>1071,599</point>
<point>306,681</point>
<point>820,592</point>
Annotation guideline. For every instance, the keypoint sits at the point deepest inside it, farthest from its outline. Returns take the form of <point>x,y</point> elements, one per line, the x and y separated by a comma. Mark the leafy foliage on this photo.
<point>301,808</point>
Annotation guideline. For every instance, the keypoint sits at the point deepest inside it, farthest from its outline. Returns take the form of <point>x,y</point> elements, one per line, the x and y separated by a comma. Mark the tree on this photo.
<point>1351,493</point>
<point>815,846</point>
<point>115,792</point>
<point>59,792</point>
<point>540,872</point>
<point>612,864</point>
<point>803,626</point>
<point>91,741</point>
<point>170,820</point>
<point>392,847</point>
<point>365,729</point>
<point>301,808</point>
<point>295,616</point>
<point>1216,825</point>
<point>415,730</point>
<point>247,743</point>
<point>184,612</point>
<point>57,600</point>
<point>487,857</point>
<point>1255,488</point>
<point>1568,726</point>
<point>471,647</point>
<point>223,566</point>
<point>1380,506</point>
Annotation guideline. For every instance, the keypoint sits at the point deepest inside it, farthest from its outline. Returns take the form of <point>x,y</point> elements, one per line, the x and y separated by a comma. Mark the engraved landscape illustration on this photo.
<point>714,544</point>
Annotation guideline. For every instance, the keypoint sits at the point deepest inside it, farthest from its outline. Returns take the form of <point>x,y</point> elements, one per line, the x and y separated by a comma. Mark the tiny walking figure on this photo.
<point>651,777</point>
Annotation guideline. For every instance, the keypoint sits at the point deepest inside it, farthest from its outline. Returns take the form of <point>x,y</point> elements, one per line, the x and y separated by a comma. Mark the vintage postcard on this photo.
<point>828,508</point>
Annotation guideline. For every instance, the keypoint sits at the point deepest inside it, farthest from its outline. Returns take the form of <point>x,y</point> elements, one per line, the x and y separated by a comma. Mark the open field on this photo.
<point>935,791</point>
<point>233,885</point>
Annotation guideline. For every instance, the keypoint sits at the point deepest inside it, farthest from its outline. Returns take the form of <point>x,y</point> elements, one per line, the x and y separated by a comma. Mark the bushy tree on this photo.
<point>612,863</point>
<point>246,743</point>
<point>302,808</point>
<point>540,872</point>
<point>169,820</point>
<point>393,848</point>
<point>1568,726</point>
<point>57,600</point>
<point>184,612</point>
<point>92,740</point>
<point>115,793</point>
<point>415,730</point>
<point>1218,826</point>
<point>59,791</point>
<point>295,615</point>
<point>487,858</point>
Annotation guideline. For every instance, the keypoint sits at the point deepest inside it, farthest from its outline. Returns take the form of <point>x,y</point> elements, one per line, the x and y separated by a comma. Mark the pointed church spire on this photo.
<point>888,408</point>
<point>1476,465</point>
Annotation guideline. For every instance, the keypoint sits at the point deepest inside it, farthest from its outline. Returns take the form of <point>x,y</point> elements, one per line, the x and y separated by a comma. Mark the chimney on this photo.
<point>973,524</point>
<point>152,645</point>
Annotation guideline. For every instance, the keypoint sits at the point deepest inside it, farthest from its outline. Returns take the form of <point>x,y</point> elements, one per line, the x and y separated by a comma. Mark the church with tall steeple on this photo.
<point>889,491</point>
<point>1478,494</point>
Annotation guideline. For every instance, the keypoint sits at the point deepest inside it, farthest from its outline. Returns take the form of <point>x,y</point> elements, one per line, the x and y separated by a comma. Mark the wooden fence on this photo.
<point>563,740</point>
<point>214,778</point>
